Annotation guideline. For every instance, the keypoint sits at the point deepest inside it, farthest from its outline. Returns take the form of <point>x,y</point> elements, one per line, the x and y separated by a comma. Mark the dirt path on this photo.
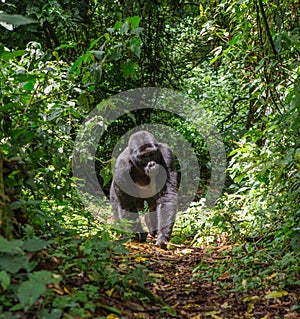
<point>174,294</point>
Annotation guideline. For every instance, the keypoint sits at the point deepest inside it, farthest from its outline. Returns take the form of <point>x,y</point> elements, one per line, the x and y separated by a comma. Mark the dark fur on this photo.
<point>138,163</point>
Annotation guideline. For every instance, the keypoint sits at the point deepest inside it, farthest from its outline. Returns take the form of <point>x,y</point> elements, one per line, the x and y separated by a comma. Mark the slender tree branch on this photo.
<point>28,104</point>
<point>263,13</point>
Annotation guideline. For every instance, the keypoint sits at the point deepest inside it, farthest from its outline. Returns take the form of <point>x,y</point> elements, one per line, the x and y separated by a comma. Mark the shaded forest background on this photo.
<point>60,59</point>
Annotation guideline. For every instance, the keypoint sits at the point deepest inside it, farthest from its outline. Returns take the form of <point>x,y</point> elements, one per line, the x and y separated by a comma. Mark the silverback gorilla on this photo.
<point>145,171</point>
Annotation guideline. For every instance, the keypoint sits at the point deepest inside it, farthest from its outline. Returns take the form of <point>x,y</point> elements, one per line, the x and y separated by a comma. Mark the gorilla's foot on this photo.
<point>141,237</point>
<point>162,242</point>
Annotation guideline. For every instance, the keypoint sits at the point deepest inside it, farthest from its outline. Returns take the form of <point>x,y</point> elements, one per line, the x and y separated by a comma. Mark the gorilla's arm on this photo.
<point>125,206</point>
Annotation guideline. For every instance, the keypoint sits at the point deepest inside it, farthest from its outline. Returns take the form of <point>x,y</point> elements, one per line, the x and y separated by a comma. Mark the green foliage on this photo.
<point>250,266</point>
<point>261,204</point>
<point>91,263</point>
<point>29,291</point>
<point>35,129</point>
<point>268,175</point>
<point>28,286</point>
<point>118,49</point>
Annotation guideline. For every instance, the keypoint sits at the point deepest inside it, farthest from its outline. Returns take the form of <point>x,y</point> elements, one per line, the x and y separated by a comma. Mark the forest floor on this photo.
<point>174,294</point>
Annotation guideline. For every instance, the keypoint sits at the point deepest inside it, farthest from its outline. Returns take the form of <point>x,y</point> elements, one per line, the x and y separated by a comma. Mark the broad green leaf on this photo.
<point>171,311</point>
<point>54,114</point>
<point>25,77</point>
<point>33,202</point>
<point>112,309</point>
<point>34,244</point>
<point>137,31</point>
<point>13,264</point>
<point>216,58</point>
<point>296,307</point>
<point>10,247</point>
<point>15,19</point>
<point>93,43</point>
<point>67,46</point>
<point>116,54</point>
<point>4,279</point>
<point>118,25</point>
<point>97,73</point>
<point>54,314</point>
<point>29,86</point>
<point>29,291</point>
<point>135,22</point>
<point>32,289</point>
<point>119,249</point>
<point>6,56</point>
<point>99,55</point>
<point>76,64</point>
<point>16,205</point>
<point>43,276</point>
<point>235,39</point>
<point>16,307</point>
<point>124,28</point>
<point>105,173</point>
<point>135,46</point>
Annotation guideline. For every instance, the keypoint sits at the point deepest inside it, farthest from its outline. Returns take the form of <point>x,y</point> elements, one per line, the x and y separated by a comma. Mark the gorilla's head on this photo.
<point>145,153</point>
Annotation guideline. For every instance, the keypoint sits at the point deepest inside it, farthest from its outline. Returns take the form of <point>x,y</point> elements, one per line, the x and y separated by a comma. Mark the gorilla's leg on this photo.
<point>166,212</point>
<point>151,219</point>
<point>114,203</point>
<point>152,222</point>
<point>130,214</point>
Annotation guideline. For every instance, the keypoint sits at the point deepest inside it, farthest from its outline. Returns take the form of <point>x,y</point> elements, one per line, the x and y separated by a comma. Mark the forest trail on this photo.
<point>174,294</point>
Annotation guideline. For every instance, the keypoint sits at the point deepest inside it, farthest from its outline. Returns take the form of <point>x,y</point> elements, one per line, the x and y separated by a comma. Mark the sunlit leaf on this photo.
<point>140,259</point>
<point>135,21</point>
<point>201,10</point>
<point>276,294</point>
<point>213,314</point>
<point>250,307</point>
<point>7,26</point>
<point>110,292</point>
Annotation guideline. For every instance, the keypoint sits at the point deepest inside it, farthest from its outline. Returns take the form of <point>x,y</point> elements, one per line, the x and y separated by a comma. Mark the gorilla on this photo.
<point>145,172</point>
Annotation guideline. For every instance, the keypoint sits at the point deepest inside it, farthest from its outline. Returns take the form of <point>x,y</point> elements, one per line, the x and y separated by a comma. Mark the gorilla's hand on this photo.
<point>151,169</point>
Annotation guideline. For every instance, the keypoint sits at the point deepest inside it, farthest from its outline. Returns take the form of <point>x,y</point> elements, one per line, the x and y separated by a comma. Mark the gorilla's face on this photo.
<point>145,153</point>
<point>148,159</point>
